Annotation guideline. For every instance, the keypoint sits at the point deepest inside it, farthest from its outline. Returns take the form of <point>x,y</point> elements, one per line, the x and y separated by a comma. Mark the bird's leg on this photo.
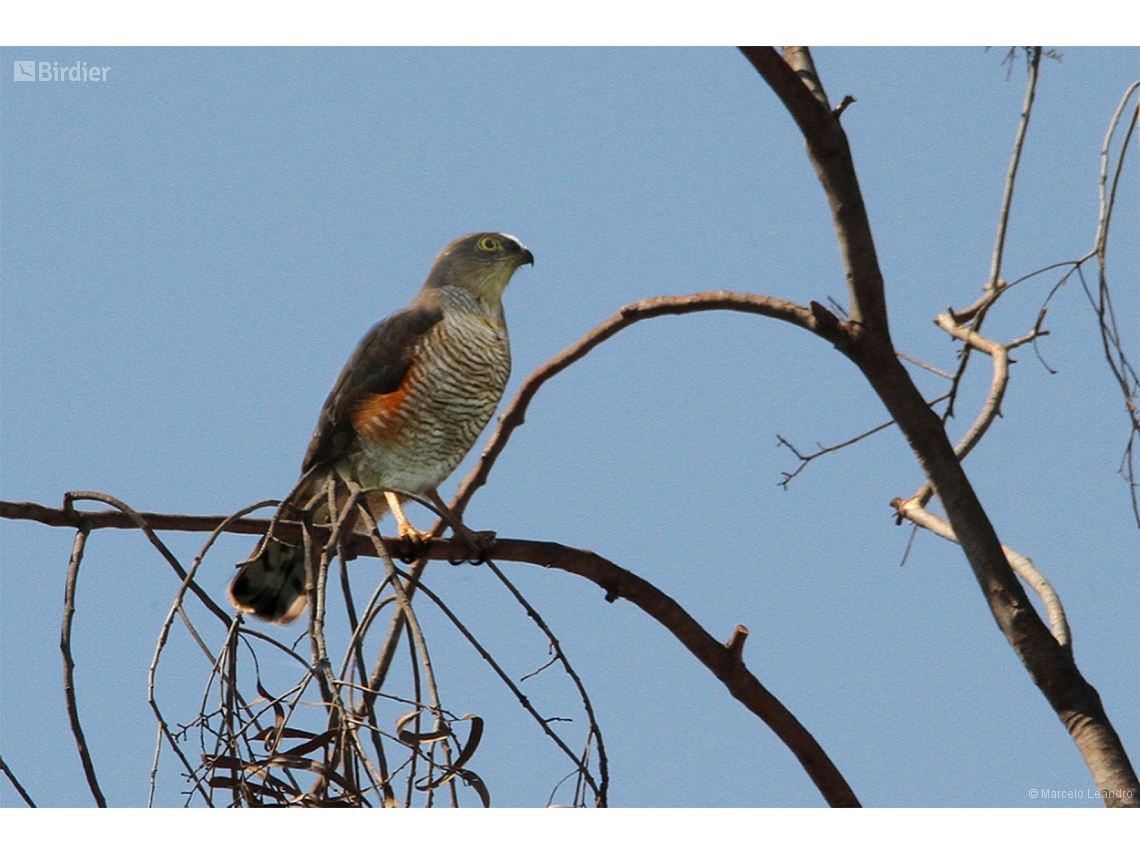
<point>405,529</point>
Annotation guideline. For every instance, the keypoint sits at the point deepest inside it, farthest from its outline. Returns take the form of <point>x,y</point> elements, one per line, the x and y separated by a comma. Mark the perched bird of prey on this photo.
<point>407,407</point>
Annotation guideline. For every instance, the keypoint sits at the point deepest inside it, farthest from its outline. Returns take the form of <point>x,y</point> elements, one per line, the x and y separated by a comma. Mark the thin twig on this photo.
<point>946,375</point>
<point>1107,199</point>
<point>994,286</point>
<point>805,459</point>
<point>163,635</point>
<point>510,684</point>
<point>403,599</point>
<point>1014,161</point>
<point>15,783</point>
<point>555,645</point>
<point>69,666</point>
<point>1115,353</point>
<point>141,523</point>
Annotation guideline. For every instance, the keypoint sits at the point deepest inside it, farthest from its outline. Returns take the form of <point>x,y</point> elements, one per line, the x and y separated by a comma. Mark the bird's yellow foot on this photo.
<point>418,542</point>
<point>413,535</point>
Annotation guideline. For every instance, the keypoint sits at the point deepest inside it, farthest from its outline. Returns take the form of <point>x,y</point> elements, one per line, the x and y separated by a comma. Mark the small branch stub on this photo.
<point>735,644</point>
<point>847,101</point>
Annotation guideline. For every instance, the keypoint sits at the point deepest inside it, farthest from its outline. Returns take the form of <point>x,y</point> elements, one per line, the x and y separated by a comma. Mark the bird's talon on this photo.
<point>414,536</point>
<point>481,541</point>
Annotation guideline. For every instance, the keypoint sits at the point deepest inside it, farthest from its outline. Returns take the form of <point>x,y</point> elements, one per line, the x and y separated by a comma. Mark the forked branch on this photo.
<point>1050,664</point>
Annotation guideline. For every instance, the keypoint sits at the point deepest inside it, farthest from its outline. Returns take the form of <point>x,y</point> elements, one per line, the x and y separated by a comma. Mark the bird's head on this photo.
<point>481,263</point>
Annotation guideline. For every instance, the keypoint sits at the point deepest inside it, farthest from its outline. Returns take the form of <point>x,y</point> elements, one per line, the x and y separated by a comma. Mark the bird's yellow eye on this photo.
<point>489,244</point>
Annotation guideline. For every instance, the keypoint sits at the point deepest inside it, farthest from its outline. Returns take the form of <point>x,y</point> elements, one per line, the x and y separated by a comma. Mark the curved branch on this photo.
<point>144,525</point>
<point>722,660</point>
<point>160,644</point>
<point>814,319</point>
<point>1107,198</point>
<point>991,409</point>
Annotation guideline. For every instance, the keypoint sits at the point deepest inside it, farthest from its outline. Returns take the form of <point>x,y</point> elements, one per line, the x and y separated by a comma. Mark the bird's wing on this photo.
<point>377,368</point>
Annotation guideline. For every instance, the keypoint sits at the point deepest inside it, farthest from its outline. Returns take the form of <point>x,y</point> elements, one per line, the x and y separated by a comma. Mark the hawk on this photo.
<point>405,410</point>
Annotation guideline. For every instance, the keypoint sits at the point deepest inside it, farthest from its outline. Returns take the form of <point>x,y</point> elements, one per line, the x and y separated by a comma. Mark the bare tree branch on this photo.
<point>1034,57</point>
<point>1052,667</point>
<point>714,655</point>
<point>805,459</point>
<point>15,783</point>
<point>991,409</point>
<point>595,730</point>
<point>1115,353</point>
<point>142,523</point>
<point>616,581</point>
<point>831,155</point>
<point>995,286</point>
<point>1108,196</point>
<point>69,667</point>
<point>912,510</point>
<point>815,319</point>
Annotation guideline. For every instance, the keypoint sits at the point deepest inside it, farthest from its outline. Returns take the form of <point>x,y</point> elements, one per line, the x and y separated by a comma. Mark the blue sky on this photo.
<point>190,249</point>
